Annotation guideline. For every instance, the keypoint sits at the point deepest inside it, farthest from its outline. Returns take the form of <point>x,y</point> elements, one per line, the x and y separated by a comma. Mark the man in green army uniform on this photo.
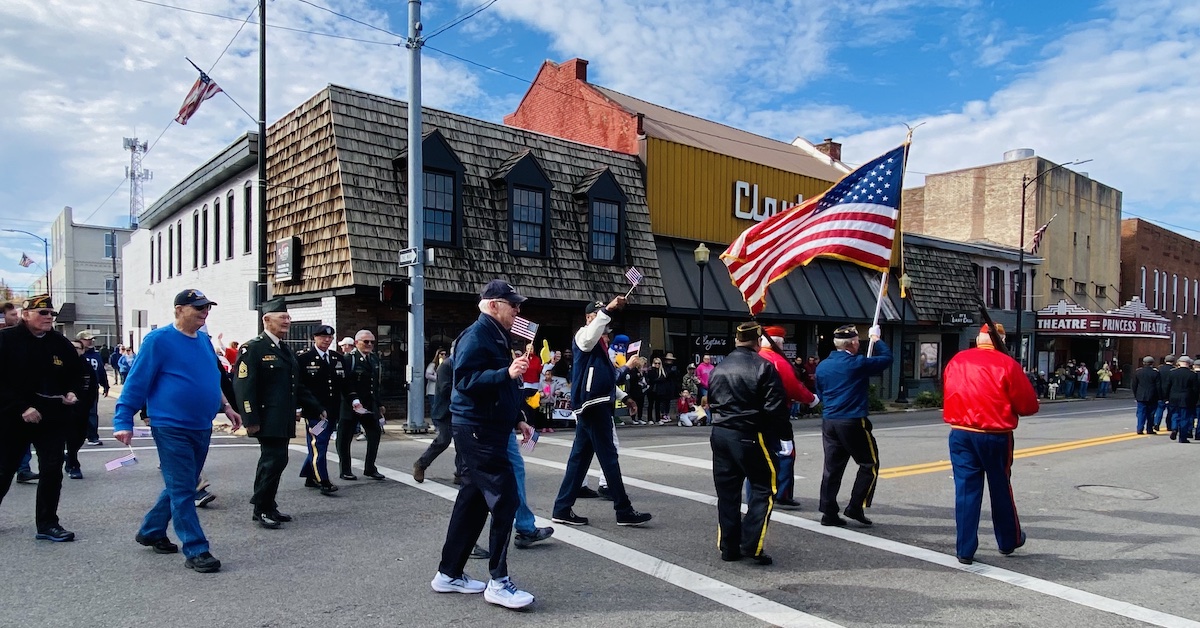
<point>272,400</point>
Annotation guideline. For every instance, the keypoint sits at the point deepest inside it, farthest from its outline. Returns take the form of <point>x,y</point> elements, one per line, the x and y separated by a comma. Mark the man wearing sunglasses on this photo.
<point>360,406</point>
<point>35,402</point>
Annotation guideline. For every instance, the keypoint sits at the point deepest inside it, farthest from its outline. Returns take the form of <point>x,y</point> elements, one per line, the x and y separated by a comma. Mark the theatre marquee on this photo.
<point>1132,320</point>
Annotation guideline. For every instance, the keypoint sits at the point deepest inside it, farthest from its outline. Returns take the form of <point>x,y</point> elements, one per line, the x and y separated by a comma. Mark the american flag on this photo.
<point>523,328</point>
<point>633,275</point>
<point>1039,234</point>
<point>203,89</point>
<point>855,221</point>
<point>26,261</point>
<point>634,347</point>
<point>127,460</point>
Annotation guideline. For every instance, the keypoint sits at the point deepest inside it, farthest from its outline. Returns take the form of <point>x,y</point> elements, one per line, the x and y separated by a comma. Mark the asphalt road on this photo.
<point>1111,519</point>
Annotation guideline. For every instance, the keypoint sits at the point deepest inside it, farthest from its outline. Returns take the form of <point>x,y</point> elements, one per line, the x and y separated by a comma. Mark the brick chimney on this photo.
<point>831,148</point>
<point>580,68</point>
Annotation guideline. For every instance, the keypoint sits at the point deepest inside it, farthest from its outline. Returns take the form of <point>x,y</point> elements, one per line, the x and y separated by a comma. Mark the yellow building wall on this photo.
<point>691,191</point>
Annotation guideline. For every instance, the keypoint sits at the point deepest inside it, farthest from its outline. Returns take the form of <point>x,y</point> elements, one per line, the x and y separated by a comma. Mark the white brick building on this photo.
<point>83,278</point>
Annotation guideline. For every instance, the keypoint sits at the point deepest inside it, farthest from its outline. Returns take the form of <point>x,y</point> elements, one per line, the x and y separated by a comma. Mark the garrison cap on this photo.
<point>41,301</point>
<point>999,329</point>
<point>775,330</point>
<point>748,332</point>
<point>846,332</point>
<point>274,306</point>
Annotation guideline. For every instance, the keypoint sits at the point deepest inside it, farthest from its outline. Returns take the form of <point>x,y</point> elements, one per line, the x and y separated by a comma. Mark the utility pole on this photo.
<point>116,290</point>
<point>416,226</point>
<point>261,214</point>
<point>136,175</point>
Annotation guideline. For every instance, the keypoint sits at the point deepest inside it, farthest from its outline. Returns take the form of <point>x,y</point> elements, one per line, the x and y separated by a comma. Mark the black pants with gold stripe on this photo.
<point>738,457</point>
<point>845,439</point>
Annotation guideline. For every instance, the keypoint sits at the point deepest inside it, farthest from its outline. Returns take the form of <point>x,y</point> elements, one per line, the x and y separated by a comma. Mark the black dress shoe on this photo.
<point>279,516</point>
<point>375,475</point>
<point>762,559</point>
<point>328,489</point>
<point>859,516</point>
<point>203,563</point>
<point>966,561</point>
<point>832,519</point>
<point>349,477</point>
<point>266,521</point>
<point>788,503</point>
<point>25,477</point>
<point>731,556</point>
<point>310,483</point>
<point>1174,434</point>
<point>1020,544</point>
<point>585,492</point>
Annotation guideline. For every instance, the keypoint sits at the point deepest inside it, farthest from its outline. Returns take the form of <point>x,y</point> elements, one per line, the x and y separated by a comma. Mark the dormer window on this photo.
<point>528,192</point>
<point>606,216</point>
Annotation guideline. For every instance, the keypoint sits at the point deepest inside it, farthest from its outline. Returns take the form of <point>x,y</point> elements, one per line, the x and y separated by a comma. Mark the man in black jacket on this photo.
<point>1163,409</point>
<point>1145,391</point>
<point>35,402</point>
<point>748,408</point>
<point>1183,389</point>
<point>268,386</point>
<point>322,373</point>
<point>360,406</point>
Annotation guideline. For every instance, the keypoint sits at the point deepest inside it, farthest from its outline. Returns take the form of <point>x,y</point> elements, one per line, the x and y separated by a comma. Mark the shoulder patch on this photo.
<point>243,372</point>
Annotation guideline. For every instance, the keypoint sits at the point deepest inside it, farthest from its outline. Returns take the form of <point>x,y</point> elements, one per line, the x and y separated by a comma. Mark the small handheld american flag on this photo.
<point>128,460</point>
<point>527,446</point>
<point>634,347</point>
<point>524,328</point>
<point>633,275</point>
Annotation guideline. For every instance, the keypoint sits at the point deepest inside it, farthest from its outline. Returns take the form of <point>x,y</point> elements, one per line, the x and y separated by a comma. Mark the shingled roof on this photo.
<point>942,280</point>
<point>337,182</point>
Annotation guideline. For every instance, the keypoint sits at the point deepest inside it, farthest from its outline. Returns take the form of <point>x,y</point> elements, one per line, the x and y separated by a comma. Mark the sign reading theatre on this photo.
<point>1133,319</point>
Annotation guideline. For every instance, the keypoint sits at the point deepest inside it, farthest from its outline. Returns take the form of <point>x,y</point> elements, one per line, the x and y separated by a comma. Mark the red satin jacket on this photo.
<point>792,388</point>
<point>985,391</point>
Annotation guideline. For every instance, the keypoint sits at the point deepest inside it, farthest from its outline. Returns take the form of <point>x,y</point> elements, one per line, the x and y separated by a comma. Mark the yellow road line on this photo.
<point>944,465</point>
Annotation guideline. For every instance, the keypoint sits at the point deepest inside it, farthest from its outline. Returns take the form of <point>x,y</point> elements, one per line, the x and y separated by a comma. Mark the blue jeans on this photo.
<point>181,455</point>
<point>1161,411</point>
<point>1083,386</point>
<point>1145,417</point>
<point>524,523</point>
<point>975,456</point>
<point>25,460</point>
<point>1104,387</point>
<point>1068,388</point>
<point>1183,419</point>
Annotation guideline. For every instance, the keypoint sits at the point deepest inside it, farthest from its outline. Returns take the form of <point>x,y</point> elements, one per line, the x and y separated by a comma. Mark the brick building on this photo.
<point>1161,269</point>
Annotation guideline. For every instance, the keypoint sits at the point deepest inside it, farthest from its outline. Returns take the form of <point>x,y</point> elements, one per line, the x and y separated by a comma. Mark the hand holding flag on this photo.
<point>524,328</point>
<point>634,347</point>
<point>635,277</point>
<point>127,460</point>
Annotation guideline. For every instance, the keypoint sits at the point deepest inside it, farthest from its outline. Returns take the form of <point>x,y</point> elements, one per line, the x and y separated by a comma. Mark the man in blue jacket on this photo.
<point>484,410</point>
<point>845,429</point>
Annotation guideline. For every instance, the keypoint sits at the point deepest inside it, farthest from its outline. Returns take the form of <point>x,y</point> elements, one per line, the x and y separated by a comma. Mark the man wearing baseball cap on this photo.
<point>322,372</point>
<point>92,357</point>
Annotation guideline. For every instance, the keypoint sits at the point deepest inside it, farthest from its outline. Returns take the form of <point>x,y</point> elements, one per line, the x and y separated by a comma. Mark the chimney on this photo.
<point>580,66</point>
<point>831,148</point>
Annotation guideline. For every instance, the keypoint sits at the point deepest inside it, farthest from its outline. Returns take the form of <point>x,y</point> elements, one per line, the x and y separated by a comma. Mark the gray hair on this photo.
<point>843,344</point>
<point>363,333</point>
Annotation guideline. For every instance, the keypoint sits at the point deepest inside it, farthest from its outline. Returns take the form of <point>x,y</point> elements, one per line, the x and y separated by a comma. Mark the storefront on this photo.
<point>1066,331</point>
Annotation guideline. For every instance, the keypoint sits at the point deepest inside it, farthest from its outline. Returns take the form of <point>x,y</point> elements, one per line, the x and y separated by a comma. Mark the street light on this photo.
<point>1027,181</point>
<point>46,248</point>
<point>905,286</point>
<point>701,255</point>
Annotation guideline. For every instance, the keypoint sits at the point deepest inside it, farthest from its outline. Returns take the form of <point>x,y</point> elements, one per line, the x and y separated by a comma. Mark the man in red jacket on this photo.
<point>794,391</point>
<point>985,393</point>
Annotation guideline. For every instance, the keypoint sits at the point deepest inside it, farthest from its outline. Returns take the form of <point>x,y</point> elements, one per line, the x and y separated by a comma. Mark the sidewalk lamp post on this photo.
<point>701,255</point>
<point>905,286</point>
<point>46,259</point>
<point>1027,181</point>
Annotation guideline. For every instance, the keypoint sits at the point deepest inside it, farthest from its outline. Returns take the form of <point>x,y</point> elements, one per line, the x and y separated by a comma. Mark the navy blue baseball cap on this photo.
<point>193,297</point>
<point>500,289</point>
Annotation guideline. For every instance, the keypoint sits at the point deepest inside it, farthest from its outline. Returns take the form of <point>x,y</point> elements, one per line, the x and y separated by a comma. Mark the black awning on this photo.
<point>66,313</point>
<point>825,290</point>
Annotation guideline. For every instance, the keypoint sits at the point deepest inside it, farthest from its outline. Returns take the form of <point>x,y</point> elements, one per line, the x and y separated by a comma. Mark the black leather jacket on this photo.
<point>745,393</point>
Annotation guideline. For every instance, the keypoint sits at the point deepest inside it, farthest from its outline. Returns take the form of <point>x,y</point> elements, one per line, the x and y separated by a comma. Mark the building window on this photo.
<point>1172,342</point>
<point>110,290</point>
<point>528,217</point>
<point>1057,285</point>
<point>1155,305</point>
<point>151,259</point>
<point>605,202</point>
<point>160,256</point>
<point>1080,288</point>
<point>1185,294</point>
<point>217,230</point>
<point>1164,291</point>
<point>995,288</point>
<point>1175,293</point>
<point>170,251</point>
<point>1101,292</point>
<point>1195,297</point>
<point>110,245</point>
<point>247,218</point>
<point>1015,278</point>
<point>1143,288</point>
<point>229,225</point>
<point>978,270</point>
<point>195,240</point>
<point>606,231</point>
<point>204,237</point>
<point>440,227</point>
<point>179,247</point>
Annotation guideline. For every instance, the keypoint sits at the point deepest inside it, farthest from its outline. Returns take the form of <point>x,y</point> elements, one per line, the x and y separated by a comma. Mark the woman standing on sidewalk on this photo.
<point>1104,376</point>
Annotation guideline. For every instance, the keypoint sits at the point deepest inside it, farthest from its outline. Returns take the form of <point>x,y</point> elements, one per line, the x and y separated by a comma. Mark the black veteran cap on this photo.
<point>845,332</point>
<point>275,305</point>
<point>41,301</point>
<point>748,332</point>
<point>323,330</point>
<point>500,289</point>
<point>594,306</point>
<point>193,297</point>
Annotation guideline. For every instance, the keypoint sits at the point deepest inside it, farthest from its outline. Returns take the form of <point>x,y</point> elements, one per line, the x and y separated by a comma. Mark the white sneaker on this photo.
<point>463,584</point>
<point>506,594</point>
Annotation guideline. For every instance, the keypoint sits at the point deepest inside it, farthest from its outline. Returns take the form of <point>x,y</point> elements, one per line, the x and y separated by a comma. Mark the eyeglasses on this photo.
<point>202,308</point>
<point>367,342</point>
<point>46,312</point>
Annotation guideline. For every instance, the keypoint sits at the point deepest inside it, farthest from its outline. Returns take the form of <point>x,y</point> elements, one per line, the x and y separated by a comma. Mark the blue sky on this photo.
<point>1116,82</point>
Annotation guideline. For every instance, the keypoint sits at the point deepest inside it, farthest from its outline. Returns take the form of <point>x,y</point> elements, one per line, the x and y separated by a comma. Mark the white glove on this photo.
<point>875,333</point>
<point>815,402</point>
<point>786,448</point>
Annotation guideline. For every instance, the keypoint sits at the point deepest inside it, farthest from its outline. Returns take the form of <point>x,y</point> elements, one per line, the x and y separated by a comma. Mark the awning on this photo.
<point>66,313</point>
<point>826,290</point>
<point>1132,320</point>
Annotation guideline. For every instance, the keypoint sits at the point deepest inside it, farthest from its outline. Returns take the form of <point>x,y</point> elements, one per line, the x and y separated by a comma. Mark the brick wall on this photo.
<point>1147,245</point>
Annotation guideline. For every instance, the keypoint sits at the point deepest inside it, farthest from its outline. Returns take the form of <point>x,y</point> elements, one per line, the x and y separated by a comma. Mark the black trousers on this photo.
<point>272,460</point>
<point>345,435</point>
<point>74,433</point>
<point>845,439</point>
<point>739,457</point>
<point>488,485</point>
<point>47,438</point>
<point>441,443</point>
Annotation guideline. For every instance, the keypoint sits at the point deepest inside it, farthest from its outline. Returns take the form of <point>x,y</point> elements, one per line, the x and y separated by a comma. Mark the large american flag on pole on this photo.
<point>855,221</point>
<point>1039,234</point>
<point>203,89</point>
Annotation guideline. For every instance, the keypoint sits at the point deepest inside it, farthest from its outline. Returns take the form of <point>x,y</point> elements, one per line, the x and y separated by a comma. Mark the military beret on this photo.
<point>845,332</point>
<point>324,330</point>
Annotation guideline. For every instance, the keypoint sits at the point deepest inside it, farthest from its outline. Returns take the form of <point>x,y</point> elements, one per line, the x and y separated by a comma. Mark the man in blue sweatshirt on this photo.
<point>177,380</point>
<point>845,429</point>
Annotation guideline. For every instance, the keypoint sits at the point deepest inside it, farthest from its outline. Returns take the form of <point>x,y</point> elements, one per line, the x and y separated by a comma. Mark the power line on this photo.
<point>110,195</point>
<point>459,20</point>
<point>277,27</point>
<point>347,17</point>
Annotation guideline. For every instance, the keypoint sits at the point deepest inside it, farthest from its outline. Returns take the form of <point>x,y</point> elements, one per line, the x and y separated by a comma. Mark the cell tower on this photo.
<point>136,175</point>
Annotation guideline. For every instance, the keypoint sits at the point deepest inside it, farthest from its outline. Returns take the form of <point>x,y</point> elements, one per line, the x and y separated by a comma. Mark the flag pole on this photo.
<point>883,279</point>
